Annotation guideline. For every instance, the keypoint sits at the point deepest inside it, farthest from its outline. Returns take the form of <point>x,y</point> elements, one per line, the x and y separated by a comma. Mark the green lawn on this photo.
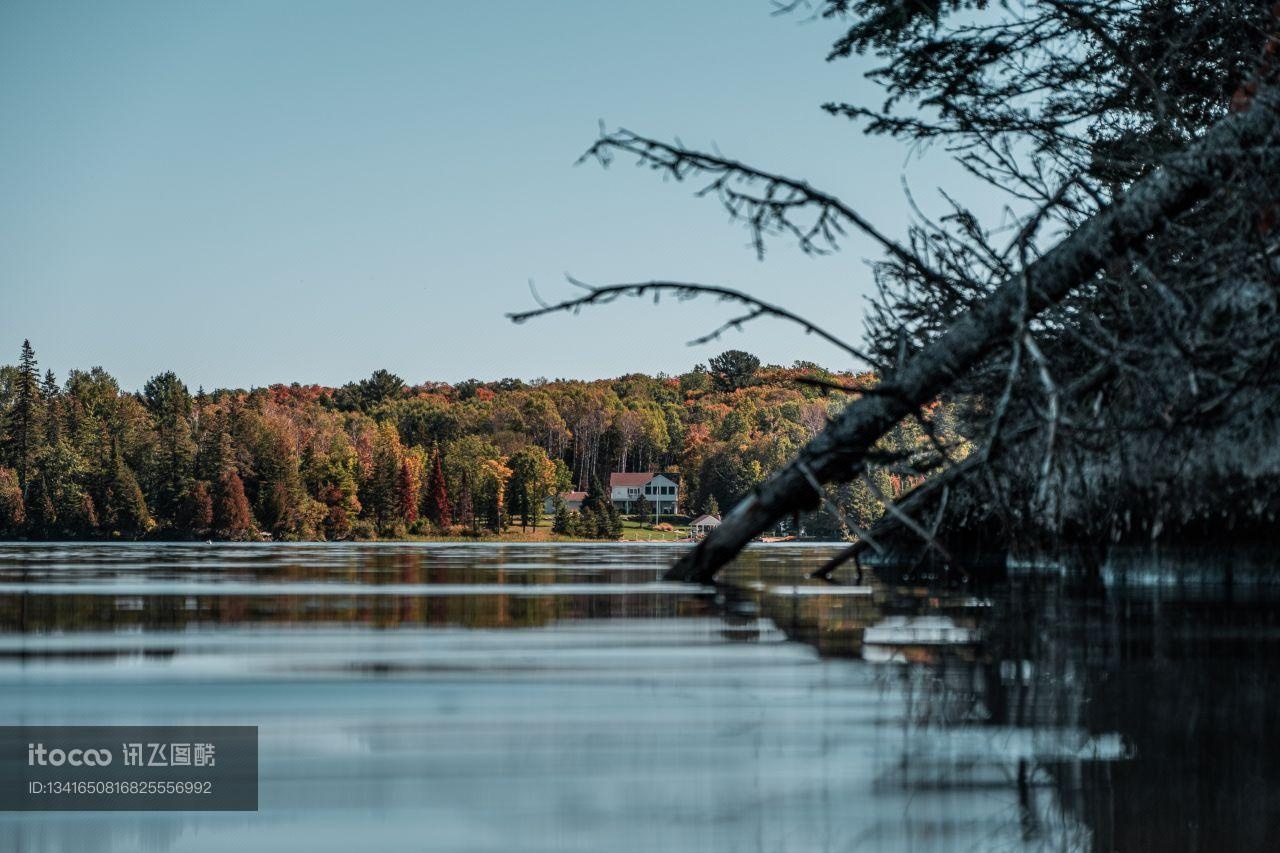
<point>635,532</point>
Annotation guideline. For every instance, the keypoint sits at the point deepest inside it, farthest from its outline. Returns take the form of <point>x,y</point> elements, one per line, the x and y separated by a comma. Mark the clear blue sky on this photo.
<point>258,192</point>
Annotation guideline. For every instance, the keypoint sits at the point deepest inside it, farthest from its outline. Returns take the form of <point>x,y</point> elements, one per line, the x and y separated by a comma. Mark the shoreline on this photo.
<point>473,540</point>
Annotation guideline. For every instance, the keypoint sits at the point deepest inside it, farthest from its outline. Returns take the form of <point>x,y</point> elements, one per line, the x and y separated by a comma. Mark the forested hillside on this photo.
<point>83,458</point>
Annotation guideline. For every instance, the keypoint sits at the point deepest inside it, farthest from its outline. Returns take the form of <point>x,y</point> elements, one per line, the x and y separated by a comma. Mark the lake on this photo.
<point>461,697</point>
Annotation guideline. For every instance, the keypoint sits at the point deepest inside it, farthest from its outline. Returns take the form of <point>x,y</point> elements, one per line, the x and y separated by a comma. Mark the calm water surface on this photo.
<point>562,698</point>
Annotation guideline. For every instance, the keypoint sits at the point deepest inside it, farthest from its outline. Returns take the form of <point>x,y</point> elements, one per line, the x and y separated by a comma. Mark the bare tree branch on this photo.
<point>938,487</point>
<point>765,201</point>
<point>686,290</point>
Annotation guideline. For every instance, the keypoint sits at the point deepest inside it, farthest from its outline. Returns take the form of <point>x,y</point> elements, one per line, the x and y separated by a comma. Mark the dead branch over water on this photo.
<point>1163,289</point>
<point>837,453</point>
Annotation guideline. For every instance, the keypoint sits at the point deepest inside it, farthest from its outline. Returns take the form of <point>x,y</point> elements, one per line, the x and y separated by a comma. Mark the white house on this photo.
<point>704,524</point>
<point>662,491</point>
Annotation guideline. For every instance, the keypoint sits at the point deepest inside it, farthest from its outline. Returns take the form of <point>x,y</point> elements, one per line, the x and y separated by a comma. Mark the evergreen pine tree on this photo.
<point>612,527</point>
<point>22,430</point>
<point>331,477</point>
<point>379,495</point>
<point>493,516</point>
<point>42,516</point>
<point>562,521</point>
<point>597,498</point>
<point>82,516</point>
<point>587,523</point>
<point>643,510</point>
<point>169,404</point>
<point>61,476</point>
<point>49,388</point>
<point>127,512</point>
<point>50,394</point>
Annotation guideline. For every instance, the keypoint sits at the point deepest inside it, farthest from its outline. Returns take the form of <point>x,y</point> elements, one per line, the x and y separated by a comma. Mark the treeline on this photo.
<point>83,458</point>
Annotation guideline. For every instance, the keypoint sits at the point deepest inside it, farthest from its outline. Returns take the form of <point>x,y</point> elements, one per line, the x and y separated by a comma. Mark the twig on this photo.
<point>686,290</point>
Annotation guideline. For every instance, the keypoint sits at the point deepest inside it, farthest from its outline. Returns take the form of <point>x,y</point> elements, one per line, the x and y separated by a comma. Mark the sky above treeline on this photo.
<point>248,193</point>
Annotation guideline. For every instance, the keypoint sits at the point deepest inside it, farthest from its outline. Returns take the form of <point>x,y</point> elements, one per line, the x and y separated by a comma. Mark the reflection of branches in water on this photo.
<point>1012,721</point>
<point>948,744</point>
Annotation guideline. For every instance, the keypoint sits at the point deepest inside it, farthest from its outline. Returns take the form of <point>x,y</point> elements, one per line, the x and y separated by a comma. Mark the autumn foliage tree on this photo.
<point>13,513</point>
<point>196,513</point>
<point>232,517</point>
<point>409,488</point>
<point>490,494</point>
<point>436,505</point>
<point>330,471</point>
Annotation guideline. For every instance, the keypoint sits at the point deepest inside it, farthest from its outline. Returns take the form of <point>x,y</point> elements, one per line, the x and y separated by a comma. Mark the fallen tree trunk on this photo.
<point>914,501</point>
<point>837,453</point>
<point>934,488</point>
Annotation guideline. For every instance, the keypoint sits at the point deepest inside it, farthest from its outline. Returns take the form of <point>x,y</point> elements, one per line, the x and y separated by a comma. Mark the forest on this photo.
<point>381,458</point>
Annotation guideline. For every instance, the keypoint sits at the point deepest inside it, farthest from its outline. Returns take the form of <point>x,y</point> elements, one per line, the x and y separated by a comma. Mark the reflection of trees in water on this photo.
<point>984,723</point>
<point>1181,689</point>
<point>1194,683</point>
<point>1187,681</point>
<point>951,743</point>
<point>38,613</point>
<point>488,569</point>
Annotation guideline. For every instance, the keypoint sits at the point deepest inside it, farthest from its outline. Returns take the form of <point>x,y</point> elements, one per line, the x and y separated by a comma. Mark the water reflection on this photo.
<point>196,586</point>
<point>458,697</point>
<point>1136,716</point>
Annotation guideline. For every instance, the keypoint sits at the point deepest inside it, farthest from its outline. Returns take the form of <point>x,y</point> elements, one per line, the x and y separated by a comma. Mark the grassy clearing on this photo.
<point>631,532</point>
<point>634,532</point>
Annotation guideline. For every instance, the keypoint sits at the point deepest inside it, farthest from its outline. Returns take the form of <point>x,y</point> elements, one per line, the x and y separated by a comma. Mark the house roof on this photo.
<point>573,496</point>
<point>705,521</point>
<point>638,479</point>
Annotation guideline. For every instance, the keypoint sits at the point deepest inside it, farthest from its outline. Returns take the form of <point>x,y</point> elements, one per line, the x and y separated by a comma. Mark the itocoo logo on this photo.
<point>38,755</point>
